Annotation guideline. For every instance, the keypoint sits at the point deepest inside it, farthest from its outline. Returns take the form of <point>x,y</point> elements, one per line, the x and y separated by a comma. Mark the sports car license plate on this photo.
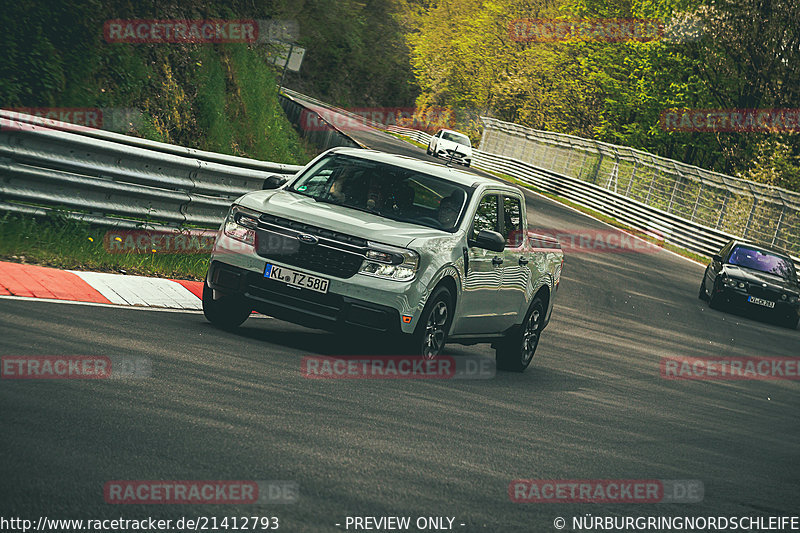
<point>296,279</point>
<point>759,301</point>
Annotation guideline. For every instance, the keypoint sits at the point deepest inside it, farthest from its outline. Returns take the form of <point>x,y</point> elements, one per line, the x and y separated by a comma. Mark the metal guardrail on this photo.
<point>662,225</point>
<point>612,191</point>
<point>117,180</point>
<point>112,179</point>
<point>713,202</point>
<point>312,122</point>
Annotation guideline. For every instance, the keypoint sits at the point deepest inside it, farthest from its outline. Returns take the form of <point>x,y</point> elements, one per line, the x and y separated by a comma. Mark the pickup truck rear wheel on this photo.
<point>515,352</point>
<point>227,312</point>
<point>430,335</point>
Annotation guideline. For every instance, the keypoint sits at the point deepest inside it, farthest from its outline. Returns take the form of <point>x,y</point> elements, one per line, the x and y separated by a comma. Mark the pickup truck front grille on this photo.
<point>333,253</point>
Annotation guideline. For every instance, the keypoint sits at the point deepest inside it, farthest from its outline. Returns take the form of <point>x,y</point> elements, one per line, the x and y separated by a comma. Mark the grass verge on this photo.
<point>60,242</point>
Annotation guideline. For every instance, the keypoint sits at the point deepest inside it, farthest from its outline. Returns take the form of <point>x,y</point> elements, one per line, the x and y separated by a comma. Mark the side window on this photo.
<point>317,184</point>
<point>512,221</point>
<point>486,215</point>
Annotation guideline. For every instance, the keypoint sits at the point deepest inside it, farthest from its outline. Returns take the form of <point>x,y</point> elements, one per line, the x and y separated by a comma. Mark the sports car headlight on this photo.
<point>241,225</point>
<point>388,262</point>
<point>729,282</point>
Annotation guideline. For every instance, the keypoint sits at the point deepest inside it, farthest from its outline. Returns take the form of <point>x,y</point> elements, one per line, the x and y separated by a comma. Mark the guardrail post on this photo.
<point>583,162</point>
<point>614,174</point>
<point>675,188</point>
<point>599,163</point>
<point>752,214</point>
<point>722,209</point>
<point>569,157</point>
<point>697,201</point>
<point>650,188</point>
<point>633,176</point>
<point>778,225</point>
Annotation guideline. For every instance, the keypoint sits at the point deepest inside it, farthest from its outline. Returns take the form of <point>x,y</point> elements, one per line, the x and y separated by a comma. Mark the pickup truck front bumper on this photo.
<point>322,311</point>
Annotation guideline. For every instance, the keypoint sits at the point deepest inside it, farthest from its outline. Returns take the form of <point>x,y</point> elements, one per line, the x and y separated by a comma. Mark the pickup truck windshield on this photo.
<point>763,261</point>
<point>386,190</point>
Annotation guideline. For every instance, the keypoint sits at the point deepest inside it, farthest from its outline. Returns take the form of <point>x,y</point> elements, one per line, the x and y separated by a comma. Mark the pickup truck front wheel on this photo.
<point>430,335</point>
<point>227,312</point>
<point>515,352</point>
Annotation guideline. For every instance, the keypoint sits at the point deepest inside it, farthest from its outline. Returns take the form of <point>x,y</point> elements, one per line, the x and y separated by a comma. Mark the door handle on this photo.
<point>523,260</point>
<point>497,260</point>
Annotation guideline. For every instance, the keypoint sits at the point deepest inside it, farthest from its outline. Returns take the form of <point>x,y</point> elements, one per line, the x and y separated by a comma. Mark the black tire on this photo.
<point>430,335</point>
<point>428,150</point>
<point>228,312</point>
<point>703,295</point>
<point>714,301</point>
<point>516,351</point>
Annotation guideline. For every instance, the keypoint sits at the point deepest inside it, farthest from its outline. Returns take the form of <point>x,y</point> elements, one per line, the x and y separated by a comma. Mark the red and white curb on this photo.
<point>31,281</point>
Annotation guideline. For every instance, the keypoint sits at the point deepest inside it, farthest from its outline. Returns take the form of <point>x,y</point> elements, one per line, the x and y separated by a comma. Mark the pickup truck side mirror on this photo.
<point>489,240</point>
<point>274,181</point>
<point>716,258</point>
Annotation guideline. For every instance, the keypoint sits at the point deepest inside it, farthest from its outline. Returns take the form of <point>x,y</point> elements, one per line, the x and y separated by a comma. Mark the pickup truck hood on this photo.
<point>295,206</point>
<point>754,276</point>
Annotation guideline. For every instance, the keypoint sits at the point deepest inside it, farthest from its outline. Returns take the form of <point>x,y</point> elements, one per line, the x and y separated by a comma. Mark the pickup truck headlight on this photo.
<point>241,225</point>
<point>387,262</point>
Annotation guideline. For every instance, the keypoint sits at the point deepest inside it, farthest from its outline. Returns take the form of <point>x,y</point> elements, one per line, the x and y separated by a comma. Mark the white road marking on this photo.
<point>141,290</point>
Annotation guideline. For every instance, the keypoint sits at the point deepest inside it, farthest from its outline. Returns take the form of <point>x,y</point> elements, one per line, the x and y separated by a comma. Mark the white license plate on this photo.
<point>759,301</point>
<point>296,279</point>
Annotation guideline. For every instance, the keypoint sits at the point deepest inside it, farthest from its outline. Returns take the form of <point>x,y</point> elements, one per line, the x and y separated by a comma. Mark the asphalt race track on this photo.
<point>234,406</point>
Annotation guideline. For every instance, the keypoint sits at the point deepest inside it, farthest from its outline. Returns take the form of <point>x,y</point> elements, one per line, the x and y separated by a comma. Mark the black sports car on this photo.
<point>752,277</point>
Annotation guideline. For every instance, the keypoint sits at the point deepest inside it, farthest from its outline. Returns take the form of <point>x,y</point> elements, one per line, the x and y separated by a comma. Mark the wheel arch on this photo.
<point>545,295</point>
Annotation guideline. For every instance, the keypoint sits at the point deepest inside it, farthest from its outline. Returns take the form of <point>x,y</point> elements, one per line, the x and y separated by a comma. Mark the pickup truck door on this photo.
<point>484,273</point>
<point>515,286</point>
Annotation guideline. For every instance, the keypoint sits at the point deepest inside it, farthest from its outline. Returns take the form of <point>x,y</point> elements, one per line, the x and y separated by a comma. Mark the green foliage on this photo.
<point>748,56</point>
<point>215,97</point>
<point>774,164</point>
